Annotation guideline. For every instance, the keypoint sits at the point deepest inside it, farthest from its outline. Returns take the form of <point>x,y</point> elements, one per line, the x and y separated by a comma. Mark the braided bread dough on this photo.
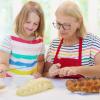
<point>34,86</point>
<point>85,85</point>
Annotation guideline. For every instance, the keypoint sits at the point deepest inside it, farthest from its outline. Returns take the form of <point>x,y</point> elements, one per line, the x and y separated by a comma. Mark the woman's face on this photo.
<point>31,24</point>
<point>67,26</point>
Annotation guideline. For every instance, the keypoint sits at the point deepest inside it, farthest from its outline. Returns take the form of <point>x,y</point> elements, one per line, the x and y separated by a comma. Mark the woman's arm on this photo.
<point>87,71</point>
<point>92,71</point>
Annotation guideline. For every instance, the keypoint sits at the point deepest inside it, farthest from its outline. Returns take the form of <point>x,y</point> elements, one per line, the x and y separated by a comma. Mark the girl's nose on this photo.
<point>31,25</point>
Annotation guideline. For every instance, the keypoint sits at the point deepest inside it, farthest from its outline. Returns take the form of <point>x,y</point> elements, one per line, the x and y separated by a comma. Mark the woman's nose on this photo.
<point>61,29</point>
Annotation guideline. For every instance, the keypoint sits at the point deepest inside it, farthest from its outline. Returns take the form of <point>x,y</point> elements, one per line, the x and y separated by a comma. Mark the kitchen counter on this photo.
<point>59,92</point>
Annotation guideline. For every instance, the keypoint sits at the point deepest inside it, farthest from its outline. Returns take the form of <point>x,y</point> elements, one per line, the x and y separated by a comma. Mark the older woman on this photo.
<point>76,53</point>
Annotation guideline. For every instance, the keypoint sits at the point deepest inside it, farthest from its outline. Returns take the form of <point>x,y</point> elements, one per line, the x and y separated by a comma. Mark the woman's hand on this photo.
<point>54,70</point>
<point>67,71</point>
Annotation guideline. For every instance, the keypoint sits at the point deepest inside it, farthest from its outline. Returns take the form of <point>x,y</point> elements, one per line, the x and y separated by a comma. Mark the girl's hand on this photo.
<point>67,71</point>
<point>3,67</point>
<point>37,75</point>
<point>54,70</point>
<point>2,70</point>
<point>2,74</point>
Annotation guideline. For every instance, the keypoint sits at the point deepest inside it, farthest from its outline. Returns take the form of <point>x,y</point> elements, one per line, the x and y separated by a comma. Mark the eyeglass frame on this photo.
<point>63,26</point>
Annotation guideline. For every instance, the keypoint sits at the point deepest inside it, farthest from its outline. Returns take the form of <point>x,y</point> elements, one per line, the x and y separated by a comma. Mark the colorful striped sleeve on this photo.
<point>42,49</point>
<point>95,46</point>
<point>5,44</point>
<point>50,52</point>
<point>42,46</point>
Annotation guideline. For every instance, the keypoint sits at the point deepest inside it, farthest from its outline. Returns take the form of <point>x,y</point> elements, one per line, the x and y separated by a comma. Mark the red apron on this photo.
<point>68,62</point>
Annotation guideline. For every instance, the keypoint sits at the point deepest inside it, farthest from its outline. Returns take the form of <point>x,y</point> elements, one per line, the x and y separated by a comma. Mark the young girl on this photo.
<point>23,51</point>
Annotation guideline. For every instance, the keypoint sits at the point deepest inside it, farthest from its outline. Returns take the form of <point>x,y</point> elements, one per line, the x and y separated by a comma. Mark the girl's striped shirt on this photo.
<point>23,53</point>
<point>90,48</point>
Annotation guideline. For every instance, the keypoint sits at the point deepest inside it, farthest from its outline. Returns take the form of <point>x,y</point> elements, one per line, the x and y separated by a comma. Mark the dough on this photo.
<point>2,76</point>
<point>34,86</point>
<point>85,85</point>
<point>2,85</point>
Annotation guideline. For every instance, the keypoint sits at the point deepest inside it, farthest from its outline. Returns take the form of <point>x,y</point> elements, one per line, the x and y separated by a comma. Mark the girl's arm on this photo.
<point>5,50</point>
<point>40,64</point>
<point>47,65</point>
<point>4,60</point>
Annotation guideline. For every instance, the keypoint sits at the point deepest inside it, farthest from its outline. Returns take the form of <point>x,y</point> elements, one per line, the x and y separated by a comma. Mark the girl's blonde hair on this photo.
<point>70,8</point>
<point>22,17</point>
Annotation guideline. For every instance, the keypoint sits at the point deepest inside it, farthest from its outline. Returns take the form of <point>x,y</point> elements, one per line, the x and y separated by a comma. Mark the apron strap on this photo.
<point>80,51</point>
<point>58,49</point>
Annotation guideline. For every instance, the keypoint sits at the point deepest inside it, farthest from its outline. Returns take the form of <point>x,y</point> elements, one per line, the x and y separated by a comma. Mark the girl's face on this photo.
<point>31,24</point>
<point>67,26</point>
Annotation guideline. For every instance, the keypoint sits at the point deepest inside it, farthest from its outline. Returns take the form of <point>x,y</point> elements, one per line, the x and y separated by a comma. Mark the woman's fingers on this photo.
<point>58,65</point>
<point>71,72</point>
<point>53,73</point>
<point>62,72</point>
<point>67,71</point>
<point>54,69</point>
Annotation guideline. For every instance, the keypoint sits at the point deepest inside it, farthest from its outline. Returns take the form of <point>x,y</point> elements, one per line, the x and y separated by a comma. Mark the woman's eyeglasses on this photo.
<point>65,26</point>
